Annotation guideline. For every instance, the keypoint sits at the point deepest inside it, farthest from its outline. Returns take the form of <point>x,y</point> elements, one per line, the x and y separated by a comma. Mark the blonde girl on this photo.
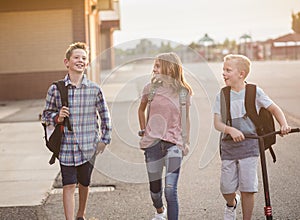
<point>161,131</point>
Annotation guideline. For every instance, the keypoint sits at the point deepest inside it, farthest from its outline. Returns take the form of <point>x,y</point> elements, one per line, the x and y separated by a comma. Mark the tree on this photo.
<point>144,46</point>
<point>164,48</point>
<point>296,22</point>
<point>229,45</point>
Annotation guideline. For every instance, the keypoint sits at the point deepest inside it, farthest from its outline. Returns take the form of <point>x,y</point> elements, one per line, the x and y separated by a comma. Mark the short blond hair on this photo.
<point>243,63</point>
<point>74,46</point>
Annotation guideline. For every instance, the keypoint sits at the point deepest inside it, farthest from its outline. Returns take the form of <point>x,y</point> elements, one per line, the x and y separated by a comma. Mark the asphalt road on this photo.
<point>122,164</point>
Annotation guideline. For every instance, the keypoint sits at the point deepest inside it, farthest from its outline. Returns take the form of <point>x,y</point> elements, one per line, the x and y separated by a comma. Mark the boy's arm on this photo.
<point>279,115</point>
<point>235,134</point>
<point>50,112</point>
<point>106,127</point>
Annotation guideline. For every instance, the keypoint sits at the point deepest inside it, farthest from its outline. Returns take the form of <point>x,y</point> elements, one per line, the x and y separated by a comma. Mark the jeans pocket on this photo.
<point>174,151</point>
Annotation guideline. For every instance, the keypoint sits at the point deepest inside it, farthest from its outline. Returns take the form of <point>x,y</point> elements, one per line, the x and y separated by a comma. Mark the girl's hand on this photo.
<point>186,150</point>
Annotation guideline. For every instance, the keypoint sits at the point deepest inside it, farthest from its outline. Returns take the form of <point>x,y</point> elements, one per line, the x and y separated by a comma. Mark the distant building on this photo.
<point>35,34</point>
<point>280,48</point>
<point>285,47</point>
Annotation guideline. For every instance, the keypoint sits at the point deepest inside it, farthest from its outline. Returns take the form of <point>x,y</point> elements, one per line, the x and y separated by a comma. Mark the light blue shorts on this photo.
<point>239,175</point>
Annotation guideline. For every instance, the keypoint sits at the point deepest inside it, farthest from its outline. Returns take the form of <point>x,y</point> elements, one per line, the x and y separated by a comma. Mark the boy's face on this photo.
<point>231,74</point>
<point>78,61</point>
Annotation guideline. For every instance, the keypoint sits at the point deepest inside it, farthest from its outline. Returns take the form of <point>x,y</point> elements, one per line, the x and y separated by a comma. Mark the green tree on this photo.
<point>193,45</point>
<point>226,43</point>
<point>229,44</point>
<point>296,22</point>
<point>144,46</point>
<point>164,48</point>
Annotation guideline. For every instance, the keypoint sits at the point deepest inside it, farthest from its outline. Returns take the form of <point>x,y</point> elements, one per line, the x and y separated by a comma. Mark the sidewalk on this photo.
<point>25,175</point>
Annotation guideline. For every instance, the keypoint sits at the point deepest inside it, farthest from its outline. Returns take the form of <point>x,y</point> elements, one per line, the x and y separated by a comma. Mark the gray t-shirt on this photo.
<point>231,150</point>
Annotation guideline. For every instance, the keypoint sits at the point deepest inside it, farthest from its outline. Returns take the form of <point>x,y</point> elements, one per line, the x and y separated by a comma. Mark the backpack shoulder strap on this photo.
<point>225,105</point>
<point>63,90</point>
<point>250,105</point>
<point>183,92</point>
<point>225,109</point>
<point>152,91</point>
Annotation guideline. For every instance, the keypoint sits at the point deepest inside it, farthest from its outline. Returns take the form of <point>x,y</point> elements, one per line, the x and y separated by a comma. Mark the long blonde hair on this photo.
<point>171,65</point>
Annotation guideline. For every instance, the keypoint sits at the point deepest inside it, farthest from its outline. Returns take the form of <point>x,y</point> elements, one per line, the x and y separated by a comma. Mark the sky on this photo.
<point>186,21</point>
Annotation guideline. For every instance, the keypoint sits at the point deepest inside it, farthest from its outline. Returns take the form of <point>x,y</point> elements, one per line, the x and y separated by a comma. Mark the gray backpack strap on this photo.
<point>182,100</point>
<point>153,88</point>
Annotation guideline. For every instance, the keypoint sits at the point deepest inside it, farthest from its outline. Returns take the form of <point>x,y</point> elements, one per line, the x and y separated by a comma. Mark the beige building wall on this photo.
<point>34,36</point>
<point>37,42</point>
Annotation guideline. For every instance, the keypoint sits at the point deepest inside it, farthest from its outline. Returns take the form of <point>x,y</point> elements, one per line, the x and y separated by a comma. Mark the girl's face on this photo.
<point>157,67</point>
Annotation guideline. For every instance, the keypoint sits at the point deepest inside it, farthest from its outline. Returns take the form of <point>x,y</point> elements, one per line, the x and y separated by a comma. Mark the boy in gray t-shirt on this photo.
<point>240,156</point>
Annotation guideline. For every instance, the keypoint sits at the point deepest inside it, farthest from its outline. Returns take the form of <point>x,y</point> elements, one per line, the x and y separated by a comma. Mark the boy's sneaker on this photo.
<point>230,212</point>
<point>161,216</point>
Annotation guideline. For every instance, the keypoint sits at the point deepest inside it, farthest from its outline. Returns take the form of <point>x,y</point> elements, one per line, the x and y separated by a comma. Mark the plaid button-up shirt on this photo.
<point>86,103</point>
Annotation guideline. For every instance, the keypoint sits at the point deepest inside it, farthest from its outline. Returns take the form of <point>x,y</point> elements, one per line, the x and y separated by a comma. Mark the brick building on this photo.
<point>286,47</point>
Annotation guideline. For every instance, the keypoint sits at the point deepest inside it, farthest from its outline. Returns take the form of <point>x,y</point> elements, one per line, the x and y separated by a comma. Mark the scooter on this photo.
<point>268,207</point>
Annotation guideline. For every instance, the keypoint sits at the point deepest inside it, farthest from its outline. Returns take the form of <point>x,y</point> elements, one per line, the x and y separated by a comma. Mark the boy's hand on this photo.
<point>236,134</point>
<point>64,112</point>
<point>285,129</point>
<point>100,148</point>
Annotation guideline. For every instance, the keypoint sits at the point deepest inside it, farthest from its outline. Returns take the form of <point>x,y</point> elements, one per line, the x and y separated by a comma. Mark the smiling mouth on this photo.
<point>80,65</point>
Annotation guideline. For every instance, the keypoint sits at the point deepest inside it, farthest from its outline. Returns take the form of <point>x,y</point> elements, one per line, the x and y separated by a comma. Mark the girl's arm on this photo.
<point>141,115</point>
<point>279,115</point>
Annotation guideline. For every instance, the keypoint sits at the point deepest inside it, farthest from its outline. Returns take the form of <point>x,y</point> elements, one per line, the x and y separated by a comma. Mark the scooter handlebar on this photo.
<point>293,130</point>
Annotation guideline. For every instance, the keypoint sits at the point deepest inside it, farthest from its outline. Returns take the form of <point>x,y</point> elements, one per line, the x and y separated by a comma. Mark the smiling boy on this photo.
<point>240,156</point>
<point>80,146</point>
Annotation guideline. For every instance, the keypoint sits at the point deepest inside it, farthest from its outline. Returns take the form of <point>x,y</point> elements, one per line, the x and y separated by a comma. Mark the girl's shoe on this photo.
<point>161,216</point>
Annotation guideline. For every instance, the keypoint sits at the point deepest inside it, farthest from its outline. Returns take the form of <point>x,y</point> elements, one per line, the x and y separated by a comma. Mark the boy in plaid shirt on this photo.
<point>80,146</point>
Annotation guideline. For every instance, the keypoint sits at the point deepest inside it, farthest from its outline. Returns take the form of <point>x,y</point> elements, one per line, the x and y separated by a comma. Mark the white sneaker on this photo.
<point>230,212</point>
<point>161,216</point>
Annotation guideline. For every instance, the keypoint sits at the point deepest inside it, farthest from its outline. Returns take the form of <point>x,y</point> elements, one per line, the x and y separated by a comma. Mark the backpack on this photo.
<point>53,136</point>
<point>263,121</point>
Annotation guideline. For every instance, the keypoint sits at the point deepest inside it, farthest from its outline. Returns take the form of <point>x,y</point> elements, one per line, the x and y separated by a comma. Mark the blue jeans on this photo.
<point>160,155</point>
